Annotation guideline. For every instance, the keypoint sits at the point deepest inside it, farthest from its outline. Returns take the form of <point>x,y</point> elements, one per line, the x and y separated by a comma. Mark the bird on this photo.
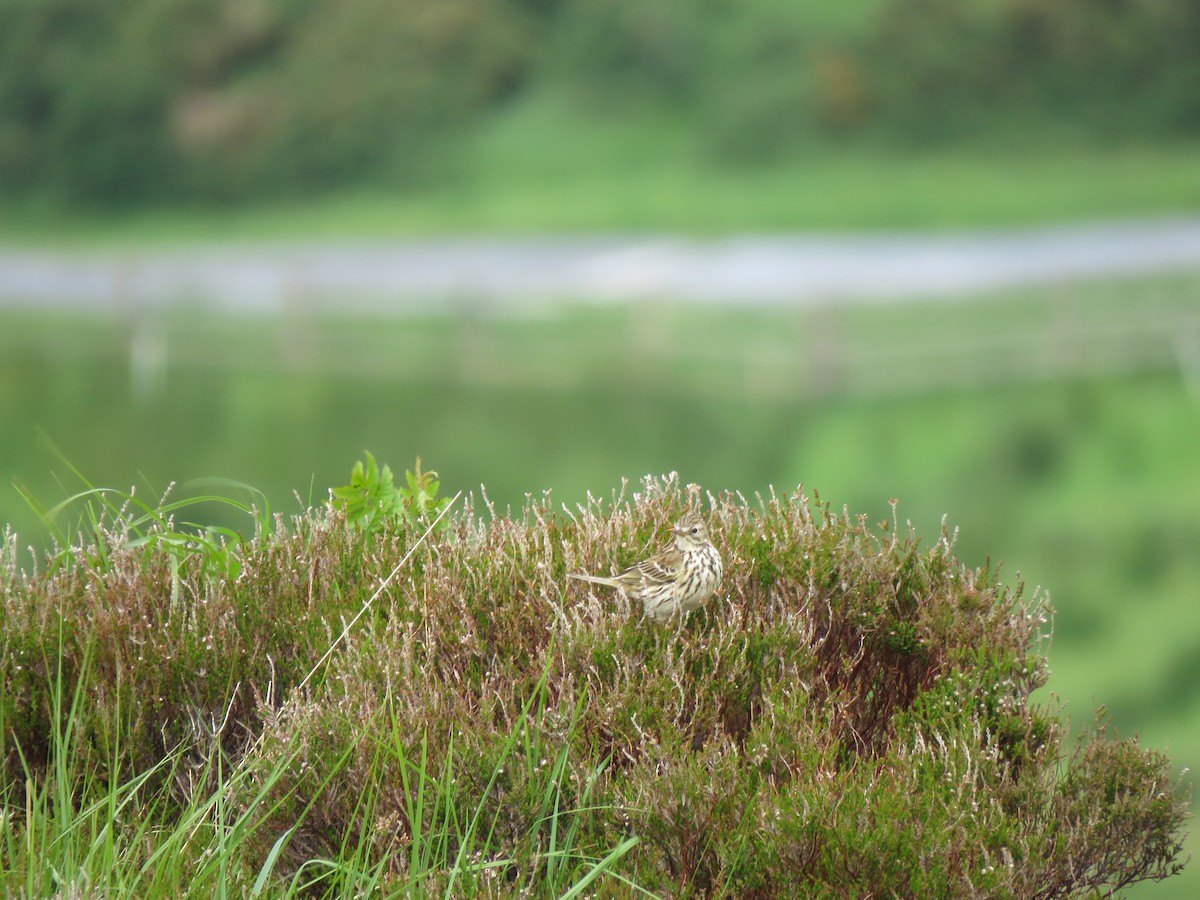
<point>679,579</point>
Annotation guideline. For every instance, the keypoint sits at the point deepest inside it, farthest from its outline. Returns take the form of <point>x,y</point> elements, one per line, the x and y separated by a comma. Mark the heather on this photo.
<point>850,715</point>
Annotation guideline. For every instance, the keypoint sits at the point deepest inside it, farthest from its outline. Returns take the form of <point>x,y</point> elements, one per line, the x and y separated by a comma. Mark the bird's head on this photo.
<point>690,532</point>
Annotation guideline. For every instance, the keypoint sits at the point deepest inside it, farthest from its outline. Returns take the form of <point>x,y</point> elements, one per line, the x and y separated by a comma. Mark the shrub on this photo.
<point>850,715</point>
<point>82,101</point>
<point>942,68</point>
<point>107,102</point>
<point>621,53</point>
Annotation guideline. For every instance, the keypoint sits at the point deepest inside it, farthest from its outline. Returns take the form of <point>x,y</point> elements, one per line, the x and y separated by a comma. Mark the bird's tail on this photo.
<point>607,582</point>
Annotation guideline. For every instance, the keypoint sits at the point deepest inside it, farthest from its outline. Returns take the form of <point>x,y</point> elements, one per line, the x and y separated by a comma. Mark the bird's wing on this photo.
<point>661,568</point>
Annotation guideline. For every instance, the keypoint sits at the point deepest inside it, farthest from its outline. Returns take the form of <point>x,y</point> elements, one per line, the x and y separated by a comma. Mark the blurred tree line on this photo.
<point>107,101</point>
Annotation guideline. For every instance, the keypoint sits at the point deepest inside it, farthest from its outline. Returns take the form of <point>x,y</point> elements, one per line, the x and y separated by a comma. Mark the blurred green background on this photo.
<point>1057,426</point>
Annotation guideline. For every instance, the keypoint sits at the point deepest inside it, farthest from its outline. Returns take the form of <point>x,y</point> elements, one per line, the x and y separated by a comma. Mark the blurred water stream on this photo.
<point>502,273</point>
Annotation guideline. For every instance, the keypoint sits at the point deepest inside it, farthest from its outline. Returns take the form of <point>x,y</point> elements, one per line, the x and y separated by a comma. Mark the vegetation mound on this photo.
<point>850,715</point>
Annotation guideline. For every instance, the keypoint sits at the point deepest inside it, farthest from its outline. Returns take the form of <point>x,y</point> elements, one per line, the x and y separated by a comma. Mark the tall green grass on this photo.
<point>190,825</point>
<point>90,810</point>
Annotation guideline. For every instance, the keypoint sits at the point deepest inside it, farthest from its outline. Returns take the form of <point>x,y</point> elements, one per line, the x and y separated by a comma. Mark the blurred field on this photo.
<point>541,171</point>
<point>278,401</point>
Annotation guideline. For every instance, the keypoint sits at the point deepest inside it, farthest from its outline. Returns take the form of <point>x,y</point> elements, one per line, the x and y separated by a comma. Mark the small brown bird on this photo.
<point>679,578</point>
